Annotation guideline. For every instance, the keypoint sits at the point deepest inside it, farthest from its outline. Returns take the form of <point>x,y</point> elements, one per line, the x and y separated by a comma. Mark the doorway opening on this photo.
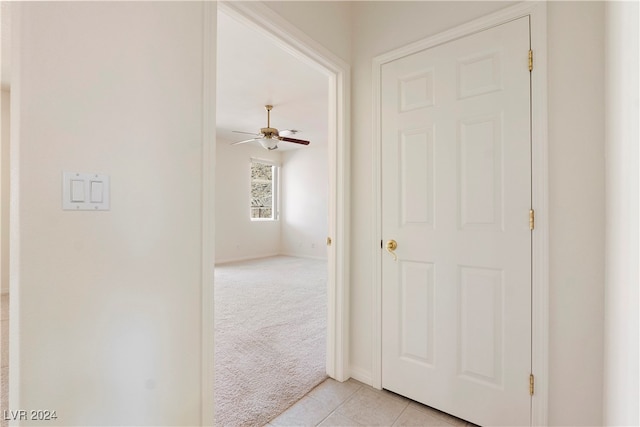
<point>281,256</point>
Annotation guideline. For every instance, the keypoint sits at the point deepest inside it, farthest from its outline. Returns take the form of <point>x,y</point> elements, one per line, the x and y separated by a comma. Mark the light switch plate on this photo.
<point>85,191</point>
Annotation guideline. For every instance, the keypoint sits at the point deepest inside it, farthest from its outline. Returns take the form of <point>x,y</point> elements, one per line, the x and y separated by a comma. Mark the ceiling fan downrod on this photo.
<point>269,132</point>
<point>268,108</point>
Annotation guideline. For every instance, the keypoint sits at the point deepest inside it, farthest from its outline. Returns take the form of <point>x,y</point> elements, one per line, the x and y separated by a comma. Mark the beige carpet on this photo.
<point>270,336</point>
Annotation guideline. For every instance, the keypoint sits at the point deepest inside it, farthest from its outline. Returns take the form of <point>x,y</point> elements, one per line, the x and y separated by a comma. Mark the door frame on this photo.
<point>537,14</point>
<point>285,35</point>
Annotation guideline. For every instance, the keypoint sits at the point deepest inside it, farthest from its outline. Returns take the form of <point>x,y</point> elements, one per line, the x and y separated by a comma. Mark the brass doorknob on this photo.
<point>392,245</point>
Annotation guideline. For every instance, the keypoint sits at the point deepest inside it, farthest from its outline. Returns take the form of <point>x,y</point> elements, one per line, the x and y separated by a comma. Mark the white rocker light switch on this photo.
<point>85,191</point>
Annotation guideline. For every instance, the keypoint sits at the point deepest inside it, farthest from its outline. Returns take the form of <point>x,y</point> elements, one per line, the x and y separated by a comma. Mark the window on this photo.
<point>264,190</point>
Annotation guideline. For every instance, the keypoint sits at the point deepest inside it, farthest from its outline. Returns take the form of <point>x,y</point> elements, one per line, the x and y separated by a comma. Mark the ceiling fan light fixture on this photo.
<point>268,143</point>
<point>269,137</point>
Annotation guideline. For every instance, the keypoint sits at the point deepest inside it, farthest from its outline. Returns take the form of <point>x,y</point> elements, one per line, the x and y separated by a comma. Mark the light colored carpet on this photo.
<point>270,337</point>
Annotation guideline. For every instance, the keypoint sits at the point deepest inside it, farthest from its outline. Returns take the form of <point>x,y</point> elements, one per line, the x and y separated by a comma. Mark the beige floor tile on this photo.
<point>393,395</point>
<point>372,408</point>
<point>384,392</point>
<point>414,417</point>
<point>307,412</point>
<point>338,420</point>
<point>450,419</point>
<point>354,381</point>
<point>332,393</point>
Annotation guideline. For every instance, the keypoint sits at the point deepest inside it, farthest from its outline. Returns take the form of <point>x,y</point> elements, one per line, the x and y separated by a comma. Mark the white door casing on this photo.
<point>456,194</point>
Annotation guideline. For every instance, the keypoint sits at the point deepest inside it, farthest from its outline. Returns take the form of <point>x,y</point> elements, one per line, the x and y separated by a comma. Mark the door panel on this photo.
<point>417,328</point>
<point>456,193</point>
<point>480,330</point>
<point>416,169</point>
<point>480,173</point>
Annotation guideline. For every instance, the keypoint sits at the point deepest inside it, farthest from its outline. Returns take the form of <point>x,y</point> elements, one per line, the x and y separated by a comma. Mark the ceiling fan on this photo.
<point>269,137</point>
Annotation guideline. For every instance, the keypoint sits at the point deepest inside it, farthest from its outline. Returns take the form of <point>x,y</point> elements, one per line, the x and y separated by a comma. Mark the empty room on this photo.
<point>271,205</point>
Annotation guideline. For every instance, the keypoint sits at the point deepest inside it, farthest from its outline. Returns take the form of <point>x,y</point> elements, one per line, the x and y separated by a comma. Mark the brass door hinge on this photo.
<point>329,241</point>
<point>532,219</point>
<point>530,60</point>
<point>531,384</point>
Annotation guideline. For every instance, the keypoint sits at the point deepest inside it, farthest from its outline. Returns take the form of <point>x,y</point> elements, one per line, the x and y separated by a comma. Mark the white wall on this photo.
<point>305,184</point>
<point>108,304</point>
<point>237,237</point>
<point>4,193</point>
<point>576,211</point>
<point>621,395</point>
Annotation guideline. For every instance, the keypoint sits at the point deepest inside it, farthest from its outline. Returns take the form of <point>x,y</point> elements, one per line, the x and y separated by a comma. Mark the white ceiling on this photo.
<point>252,72</point>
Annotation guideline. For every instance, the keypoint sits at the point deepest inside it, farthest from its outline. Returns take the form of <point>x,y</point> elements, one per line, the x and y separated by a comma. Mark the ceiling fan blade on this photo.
<point>295,141</point>
<point>242,142</point>
<point>288,132</point>
<point>248,133</point>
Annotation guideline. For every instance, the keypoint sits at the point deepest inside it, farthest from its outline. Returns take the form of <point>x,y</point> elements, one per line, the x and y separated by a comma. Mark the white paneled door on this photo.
<point>456,195</point>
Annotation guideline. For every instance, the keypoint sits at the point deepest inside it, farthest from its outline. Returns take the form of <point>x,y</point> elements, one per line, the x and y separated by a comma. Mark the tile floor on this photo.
<point>354,404</point>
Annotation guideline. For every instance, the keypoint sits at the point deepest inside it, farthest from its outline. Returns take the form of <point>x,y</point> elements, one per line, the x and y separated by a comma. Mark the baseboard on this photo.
<point>245,258</point>
<point>319,258</point>
<point>361,375</point>
<point>260,256</point>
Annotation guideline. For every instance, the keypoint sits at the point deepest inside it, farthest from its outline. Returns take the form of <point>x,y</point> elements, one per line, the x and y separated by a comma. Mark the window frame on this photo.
<point>275,188</point>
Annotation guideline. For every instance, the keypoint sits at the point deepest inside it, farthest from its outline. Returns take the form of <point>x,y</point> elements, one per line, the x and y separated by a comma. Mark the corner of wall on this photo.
<point>622,306</point>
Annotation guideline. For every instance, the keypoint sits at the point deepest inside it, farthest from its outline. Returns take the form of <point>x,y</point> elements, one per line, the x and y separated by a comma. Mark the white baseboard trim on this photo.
<point>319,258</point>
<point>245,258</point>
<point>361,375</point>
<point>260,256</point>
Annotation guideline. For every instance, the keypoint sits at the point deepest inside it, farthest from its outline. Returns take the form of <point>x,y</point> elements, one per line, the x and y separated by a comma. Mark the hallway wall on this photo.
<point>109,304</point>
